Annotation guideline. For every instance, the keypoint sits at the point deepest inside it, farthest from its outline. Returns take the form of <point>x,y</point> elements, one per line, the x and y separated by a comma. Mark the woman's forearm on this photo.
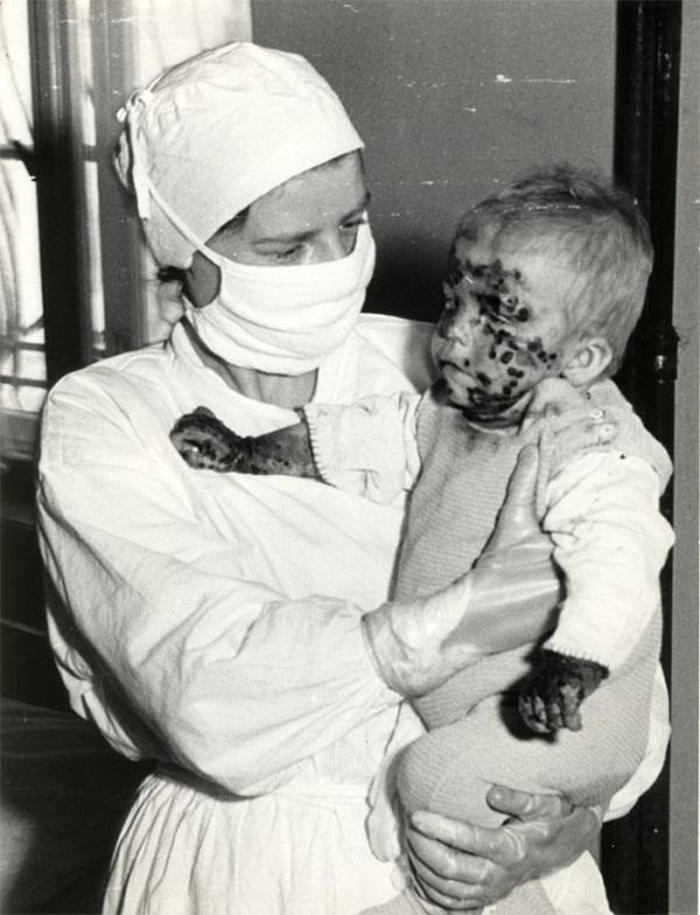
<point>506,601</point>
<point>514,597</point>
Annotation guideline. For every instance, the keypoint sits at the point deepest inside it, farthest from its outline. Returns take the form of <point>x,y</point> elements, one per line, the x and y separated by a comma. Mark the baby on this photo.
<point>546,282</point>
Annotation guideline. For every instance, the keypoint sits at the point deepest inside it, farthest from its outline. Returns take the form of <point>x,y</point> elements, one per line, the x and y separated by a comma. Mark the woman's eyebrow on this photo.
<point>284,239</point>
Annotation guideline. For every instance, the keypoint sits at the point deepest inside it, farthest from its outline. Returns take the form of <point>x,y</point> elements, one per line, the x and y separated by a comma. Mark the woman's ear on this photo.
<point>201,280</point>
<point>587,361</point>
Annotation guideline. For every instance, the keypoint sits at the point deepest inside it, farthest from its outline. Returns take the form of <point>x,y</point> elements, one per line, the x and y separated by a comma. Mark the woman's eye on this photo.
<point>352,225</point>
<point>289,254</point>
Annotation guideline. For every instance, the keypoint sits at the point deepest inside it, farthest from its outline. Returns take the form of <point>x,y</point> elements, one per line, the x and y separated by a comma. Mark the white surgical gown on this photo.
<point>213,621</point>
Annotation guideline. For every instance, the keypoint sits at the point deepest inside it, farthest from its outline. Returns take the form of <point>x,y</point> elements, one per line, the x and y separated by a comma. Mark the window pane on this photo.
<point>84,70</point>
<point>22,362</point>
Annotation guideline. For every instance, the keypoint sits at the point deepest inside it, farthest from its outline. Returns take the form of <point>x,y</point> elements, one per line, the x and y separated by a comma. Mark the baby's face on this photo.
<point>504,328</point>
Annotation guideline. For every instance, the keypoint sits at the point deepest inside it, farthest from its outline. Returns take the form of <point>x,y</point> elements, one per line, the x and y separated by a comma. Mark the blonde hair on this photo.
<point>592,226</point>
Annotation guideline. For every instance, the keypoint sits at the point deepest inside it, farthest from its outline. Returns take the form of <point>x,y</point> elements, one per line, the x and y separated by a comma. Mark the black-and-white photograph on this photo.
<point>349,384</point>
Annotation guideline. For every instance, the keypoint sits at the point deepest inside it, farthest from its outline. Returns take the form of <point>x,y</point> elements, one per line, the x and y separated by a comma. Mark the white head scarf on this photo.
<point>217,132</point>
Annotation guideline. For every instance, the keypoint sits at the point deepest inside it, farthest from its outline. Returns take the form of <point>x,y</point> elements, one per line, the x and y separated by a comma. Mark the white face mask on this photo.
<point>285,320</point>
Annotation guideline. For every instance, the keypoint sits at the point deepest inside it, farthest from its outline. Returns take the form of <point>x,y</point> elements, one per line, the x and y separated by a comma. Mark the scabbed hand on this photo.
<point>551,697</point>
<point>205,443</point>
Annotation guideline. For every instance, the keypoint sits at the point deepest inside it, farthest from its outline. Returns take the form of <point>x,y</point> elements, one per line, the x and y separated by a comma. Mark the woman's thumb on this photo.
<point>518,517</point>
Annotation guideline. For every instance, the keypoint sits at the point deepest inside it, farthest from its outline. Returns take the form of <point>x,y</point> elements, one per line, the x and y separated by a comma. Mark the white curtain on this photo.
<point>20,290</point>
<point>152,34</point>
<point>168,31</point>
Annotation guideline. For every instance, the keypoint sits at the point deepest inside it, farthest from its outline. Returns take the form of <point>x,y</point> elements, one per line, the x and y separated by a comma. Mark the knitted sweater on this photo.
<point>462,473</point>
<point>463,481</point>
<point>599,504</point>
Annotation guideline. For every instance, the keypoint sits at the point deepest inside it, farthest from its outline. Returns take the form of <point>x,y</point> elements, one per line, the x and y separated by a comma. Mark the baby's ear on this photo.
<point>587,361</point>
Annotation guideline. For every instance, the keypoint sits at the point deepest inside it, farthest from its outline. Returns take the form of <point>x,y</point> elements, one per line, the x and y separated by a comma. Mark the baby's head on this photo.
<point>547,279</point>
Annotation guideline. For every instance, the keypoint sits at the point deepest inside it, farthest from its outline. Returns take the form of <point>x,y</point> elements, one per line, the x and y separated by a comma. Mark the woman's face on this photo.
<point>311,219</point>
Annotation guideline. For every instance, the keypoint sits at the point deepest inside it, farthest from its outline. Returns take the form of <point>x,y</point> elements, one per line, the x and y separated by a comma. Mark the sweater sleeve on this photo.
<point>369,447</point>
<point>611,543</point>
<point>161,615</point>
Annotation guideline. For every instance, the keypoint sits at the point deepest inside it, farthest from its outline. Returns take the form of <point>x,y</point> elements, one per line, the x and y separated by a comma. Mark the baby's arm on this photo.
<point>610,543</point>
<point>205,443</point>
<point>367,447</point>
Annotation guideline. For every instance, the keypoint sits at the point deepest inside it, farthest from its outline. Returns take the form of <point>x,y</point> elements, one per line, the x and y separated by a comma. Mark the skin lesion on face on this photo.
<point>495,290</point>
<point>483,334</point>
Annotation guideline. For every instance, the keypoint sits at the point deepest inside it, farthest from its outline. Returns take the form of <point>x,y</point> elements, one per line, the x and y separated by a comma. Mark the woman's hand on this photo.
<point>417,645</point>
<point>463,867</point>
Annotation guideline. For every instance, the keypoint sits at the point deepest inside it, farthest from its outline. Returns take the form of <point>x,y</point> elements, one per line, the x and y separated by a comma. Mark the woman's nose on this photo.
<point>331,246</point>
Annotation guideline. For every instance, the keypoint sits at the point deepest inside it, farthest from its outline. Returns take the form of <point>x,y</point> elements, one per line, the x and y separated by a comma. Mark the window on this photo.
<point>77,283</point>
<point>22,360</point>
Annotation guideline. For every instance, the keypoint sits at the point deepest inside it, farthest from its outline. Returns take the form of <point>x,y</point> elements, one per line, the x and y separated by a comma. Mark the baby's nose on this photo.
<point>455,328</point>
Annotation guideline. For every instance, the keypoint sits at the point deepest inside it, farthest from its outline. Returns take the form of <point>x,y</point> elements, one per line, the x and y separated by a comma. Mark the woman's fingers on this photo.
<point>476,865</point>
<point>448,876</point>
<point>479,842</point>
<point>525,806</point>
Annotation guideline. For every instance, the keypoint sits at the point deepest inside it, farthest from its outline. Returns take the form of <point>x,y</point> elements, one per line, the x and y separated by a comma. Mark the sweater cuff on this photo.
<point>321,439</point>
<point>354,450</point>
<point>574,649</point>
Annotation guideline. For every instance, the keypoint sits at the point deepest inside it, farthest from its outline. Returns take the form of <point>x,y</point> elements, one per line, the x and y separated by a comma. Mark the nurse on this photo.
<point>215,622</point>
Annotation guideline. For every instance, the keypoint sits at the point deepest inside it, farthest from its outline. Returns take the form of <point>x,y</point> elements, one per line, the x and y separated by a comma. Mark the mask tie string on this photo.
<point>131,115</point>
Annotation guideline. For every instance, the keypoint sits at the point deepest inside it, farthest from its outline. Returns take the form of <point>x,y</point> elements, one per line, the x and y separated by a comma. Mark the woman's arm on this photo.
<point>156,609</point>
<point>168,632</point>
<point>420,644</point>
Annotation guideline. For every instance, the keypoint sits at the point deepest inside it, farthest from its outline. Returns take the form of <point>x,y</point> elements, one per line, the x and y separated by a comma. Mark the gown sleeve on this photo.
<point>163,639</point>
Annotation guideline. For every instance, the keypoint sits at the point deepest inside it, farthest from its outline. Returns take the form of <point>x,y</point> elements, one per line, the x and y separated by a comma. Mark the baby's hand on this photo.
<point>204,442</point>
<point>552,695</point>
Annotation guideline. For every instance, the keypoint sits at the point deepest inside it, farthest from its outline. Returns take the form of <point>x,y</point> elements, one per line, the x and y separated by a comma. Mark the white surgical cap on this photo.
<point>217,132</point>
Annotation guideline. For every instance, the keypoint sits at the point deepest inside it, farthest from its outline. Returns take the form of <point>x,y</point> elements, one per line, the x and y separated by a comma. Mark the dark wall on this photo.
<point>27,670</point>
<point>453,97</point>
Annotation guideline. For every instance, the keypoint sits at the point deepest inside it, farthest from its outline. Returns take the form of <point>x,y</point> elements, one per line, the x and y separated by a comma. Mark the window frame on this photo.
<point>57,162</point>
<point>61,204</point>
